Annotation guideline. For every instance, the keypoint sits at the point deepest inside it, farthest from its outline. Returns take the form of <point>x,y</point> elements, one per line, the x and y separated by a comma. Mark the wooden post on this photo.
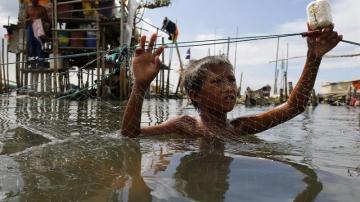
<point>1,77</point>
<point>3,64</point>
<point>55,43</point>
<point>42,82</point>
<point>23,58</point>
<point>181,71</point>
<point>7,63</point>
<point>17,69</point>
<point>276,64</point>
<point>102,60</point>
<point>98,74</point>
<point>290,87</point>
<point>285,73</point>
<point>122,73</point>
<point>162,70</point>
<point>168,74</point>
<point>281,95</point>
<point>240,84</point>
<point>314,100</point>
<point>92,78</point>
<point>48,82</point>
<point>228,48</point>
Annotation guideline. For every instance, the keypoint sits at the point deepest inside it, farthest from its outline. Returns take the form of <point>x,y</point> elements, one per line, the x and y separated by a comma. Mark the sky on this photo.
<point>209,19</point>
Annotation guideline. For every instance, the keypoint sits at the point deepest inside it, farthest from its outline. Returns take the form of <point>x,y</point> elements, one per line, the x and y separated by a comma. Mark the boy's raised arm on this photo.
<point>146,66</point>
<point>319,43</point>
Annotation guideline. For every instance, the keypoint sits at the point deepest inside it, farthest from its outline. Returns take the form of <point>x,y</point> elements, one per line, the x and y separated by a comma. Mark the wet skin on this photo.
<point>217,95</point>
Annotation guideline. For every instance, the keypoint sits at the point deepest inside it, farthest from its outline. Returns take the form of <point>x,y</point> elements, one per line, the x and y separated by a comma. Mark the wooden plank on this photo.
<point>37,70</point>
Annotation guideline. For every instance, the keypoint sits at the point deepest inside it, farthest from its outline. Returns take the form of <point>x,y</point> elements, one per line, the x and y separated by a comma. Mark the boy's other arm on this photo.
<point>318,45</point>
<point>146,66</point>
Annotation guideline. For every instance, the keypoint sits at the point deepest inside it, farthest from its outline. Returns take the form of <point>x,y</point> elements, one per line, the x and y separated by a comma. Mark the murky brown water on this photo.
<point>54,150</point>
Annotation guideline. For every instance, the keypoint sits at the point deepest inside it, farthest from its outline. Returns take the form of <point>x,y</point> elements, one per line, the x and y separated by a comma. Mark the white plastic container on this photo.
<point>319,14</point>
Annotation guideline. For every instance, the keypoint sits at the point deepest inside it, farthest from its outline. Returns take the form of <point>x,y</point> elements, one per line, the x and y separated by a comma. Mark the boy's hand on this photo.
<point>321,42</point>
<point>146,64</point>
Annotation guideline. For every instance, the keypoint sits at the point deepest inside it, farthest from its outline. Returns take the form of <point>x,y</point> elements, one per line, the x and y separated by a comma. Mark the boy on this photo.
<point>211,86</point>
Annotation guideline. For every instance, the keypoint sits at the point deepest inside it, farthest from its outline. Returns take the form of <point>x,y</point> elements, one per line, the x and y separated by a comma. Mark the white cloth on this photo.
<point>38,29</point>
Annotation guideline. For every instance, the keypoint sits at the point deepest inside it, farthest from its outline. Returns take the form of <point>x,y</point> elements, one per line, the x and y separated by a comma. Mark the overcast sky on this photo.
<point>201,19</point>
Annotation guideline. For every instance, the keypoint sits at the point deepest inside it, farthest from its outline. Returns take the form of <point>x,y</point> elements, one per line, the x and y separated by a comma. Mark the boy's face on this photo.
<point>218,91</point>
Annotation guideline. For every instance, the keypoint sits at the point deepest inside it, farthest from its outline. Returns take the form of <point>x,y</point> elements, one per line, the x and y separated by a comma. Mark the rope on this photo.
<point>191,44</point>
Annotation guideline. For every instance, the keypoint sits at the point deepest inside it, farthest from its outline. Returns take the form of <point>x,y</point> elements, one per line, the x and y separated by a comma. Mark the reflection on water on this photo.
<point>110,169</point>
<point>70,151</point>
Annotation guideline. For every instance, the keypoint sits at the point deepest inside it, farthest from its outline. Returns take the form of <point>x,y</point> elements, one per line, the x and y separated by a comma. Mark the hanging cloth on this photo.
<point>38,29</point>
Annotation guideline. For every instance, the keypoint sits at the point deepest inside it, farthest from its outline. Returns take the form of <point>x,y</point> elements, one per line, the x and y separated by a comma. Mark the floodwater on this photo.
<point>53,150</point>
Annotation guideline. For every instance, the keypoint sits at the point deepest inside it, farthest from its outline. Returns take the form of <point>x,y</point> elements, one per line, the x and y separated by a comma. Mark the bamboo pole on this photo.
<point>276,64</point>
<point>162,70</point>
<point>286,71</point>
<point>168,74</point>
<point>240,84</point>
<point>42,82</point>
<point>123,65</point>
<point>1,77</point>
<point>3,64</point>
<point>17,70</point>
<point>23,57</point>
<point>55,42</point>
<point>7,63</point>
<point>98,74</point>
<point>181,71</point>
<point>102,62</point>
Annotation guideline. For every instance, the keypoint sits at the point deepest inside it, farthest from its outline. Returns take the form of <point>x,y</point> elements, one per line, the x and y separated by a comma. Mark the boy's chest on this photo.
<point>196,128</point>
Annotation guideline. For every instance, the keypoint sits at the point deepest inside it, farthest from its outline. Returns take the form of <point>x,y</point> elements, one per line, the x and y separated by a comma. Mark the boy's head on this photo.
<point>210,81</point>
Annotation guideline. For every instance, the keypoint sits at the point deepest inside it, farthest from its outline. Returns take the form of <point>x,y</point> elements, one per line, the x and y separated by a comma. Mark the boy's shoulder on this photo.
<point>185,123</point>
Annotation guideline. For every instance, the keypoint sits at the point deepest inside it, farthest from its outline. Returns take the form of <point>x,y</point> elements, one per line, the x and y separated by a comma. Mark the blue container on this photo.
<point>91,40</point>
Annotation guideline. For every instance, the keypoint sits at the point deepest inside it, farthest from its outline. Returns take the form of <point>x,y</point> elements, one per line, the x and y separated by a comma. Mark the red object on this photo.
<point>356,84</point>
<point>353,101</point>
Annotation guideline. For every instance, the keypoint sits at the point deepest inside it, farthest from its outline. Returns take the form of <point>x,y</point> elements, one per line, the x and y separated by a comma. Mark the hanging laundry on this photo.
<point>38,29</point>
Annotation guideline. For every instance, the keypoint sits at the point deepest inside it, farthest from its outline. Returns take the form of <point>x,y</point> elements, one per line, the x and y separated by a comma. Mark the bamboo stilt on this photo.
<point>162,70</point>
<point>181,71</point>
<point>55,43</point>
<point>98,74</point>
<point>1,77</point>
<point>7,65</point>
<point>3,65</point>
<point>17,70</point>
<point>42,82</point>
<point>48,82</point>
